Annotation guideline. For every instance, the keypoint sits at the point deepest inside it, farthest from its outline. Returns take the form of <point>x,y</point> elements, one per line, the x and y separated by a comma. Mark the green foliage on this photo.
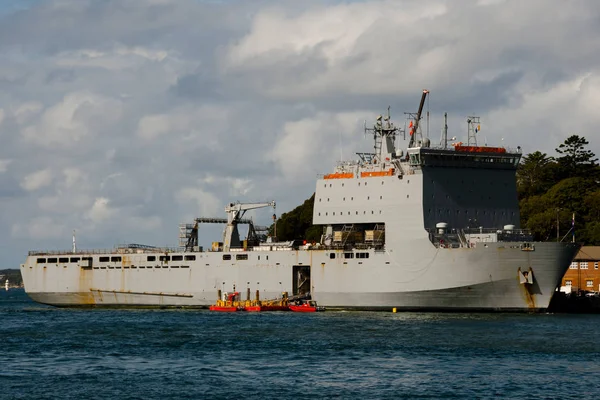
<point>535,174</point>
<point>297,224</point>
<point>552,190</point>
<point>575,159</point>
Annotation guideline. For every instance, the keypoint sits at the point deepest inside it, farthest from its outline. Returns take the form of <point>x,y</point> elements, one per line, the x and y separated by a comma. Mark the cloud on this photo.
<point>37,180</point>
<point>70,121</point>
<point>122,119</point>
<point>4,165</point>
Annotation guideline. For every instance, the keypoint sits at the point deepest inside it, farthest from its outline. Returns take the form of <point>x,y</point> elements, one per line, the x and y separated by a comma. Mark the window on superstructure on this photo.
<point>241,256</point>
<point>41,261</point>
<point>74,259</point>
<point>583,265</point>
<point>348,255</point>
<point>115,259</point>
<point>151,258</point>
<point>226,257</point>
<point>52,261</point>
<point>190,258</point>
<point>595,265</point>
<point>332,255</point>
<point>63,260</point>
<point>177,258</point>
<point>164,258</point>
<point>573,265</point>
<point>589,283</point>
<point>104,259</point>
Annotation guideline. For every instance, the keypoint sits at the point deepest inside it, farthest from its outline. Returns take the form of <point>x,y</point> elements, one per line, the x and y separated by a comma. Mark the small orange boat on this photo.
<point>306,307</point>
<point>266,308</point>
<point>223,308</point>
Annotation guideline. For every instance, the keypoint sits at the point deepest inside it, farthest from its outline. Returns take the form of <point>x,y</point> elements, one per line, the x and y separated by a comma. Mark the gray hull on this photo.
<point>482,278</point>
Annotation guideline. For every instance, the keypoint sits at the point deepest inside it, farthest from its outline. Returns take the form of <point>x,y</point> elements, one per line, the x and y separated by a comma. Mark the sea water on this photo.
<point>54,353</point>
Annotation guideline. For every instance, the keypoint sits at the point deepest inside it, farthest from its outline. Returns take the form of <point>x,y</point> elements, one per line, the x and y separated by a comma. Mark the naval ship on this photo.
<point>428,227</point>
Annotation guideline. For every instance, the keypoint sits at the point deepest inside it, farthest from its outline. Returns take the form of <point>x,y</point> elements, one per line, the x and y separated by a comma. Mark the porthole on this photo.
<point>407,196</point>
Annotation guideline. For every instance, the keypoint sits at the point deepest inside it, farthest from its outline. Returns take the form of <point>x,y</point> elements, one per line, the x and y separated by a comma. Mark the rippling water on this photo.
<point>139,354</point>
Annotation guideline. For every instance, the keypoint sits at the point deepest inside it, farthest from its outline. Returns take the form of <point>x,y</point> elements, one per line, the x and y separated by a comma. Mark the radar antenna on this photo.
<point>384,133</point>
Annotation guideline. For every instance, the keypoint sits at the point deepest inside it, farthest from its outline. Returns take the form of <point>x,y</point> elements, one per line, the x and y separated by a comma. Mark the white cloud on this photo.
<point>27,110</point>
<point>205,202</point>
<point>37,180</point>
<point>71,120</point>
<point>312,145</point>
<point>4,165</point>
<point>101,210</point>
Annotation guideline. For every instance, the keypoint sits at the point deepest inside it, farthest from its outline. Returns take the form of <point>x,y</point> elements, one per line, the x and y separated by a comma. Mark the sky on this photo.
<point>123,118</point>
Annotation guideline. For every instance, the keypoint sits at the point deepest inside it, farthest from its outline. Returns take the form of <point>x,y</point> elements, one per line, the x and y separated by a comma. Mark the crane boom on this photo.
<point>235,211</point>
<point>418,118</point>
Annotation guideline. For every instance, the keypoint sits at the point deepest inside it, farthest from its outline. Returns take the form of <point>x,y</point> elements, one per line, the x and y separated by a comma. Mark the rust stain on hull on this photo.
<point>526,290</point>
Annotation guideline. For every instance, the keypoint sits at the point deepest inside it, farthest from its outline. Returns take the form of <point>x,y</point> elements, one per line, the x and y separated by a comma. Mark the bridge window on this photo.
<point>164,258</point>
<point>241,256</point>
<point>74,259</point>
<point>115,259</point>
<point>226,257</point>
<point>104,259</point>
<point>348,255</point>
<point>63,260</point>
<point>151,258</point>
<point>190,258</point>
<point>52,260</point>
<point>41,261</point>
<point>177,258</point>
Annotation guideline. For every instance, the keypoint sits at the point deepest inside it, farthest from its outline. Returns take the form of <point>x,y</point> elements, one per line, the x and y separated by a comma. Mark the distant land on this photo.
<point>13,276</point>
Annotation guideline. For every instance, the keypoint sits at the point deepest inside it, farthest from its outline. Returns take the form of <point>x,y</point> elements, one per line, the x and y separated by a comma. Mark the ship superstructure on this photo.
<point>429,227</point>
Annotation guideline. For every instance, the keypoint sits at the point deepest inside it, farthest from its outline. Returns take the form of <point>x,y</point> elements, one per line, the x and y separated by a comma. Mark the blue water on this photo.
<point>55,353</point>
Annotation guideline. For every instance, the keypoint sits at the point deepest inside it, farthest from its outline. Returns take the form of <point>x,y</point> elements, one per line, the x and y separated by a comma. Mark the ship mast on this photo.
<point>384,133</point>
<point>473,127</point>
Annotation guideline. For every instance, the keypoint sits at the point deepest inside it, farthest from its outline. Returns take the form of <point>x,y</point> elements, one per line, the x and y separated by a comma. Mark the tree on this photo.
<point>535,174</point>
<point>575,159</point>
<point>297,224</point>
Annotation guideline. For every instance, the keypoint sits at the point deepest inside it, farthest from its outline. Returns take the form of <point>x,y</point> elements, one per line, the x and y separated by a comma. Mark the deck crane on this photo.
<point>235,212</point>
<point>413,131</point>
